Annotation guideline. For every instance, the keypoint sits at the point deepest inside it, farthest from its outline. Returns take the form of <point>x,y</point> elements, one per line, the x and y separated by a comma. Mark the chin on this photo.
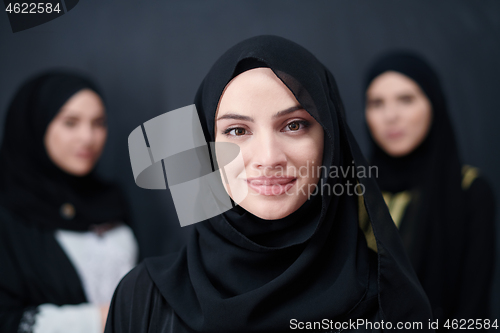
<point>79,171</point>
<point>270,209</point>
<point>398,152</point>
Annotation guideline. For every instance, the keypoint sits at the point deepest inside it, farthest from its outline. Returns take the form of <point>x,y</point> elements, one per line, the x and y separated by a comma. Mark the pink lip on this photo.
<point>271,185</point>
<point>395,134</point>
<point>86,155</point>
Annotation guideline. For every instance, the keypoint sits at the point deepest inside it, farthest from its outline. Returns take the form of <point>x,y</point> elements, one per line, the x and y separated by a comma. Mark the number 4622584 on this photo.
<point>464,324</point>
<point>32,8</point>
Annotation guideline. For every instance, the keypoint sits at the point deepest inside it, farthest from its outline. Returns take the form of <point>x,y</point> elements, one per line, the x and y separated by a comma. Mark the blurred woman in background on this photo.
<point>64,238</point>
<point>444,210</point>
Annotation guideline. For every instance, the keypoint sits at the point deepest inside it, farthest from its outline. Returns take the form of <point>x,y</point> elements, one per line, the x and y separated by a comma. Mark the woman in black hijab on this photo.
<point>63,244</point>
<point>292,267</point>
<point>444,211</point>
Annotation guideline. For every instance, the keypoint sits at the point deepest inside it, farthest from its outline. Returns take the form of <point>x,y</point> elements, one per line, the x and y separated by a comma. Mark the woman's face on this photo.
<point>75,138</point>
<point>280,143</point>
<point>398,113</point>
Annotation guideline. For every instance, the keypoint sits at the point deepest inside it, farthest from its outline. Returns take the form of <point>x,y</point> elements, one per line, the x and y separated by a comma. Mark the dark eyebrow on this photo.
<point>246,118</point>
<point>235,116</point>
<point>288,111</point>
<point>405,94</point>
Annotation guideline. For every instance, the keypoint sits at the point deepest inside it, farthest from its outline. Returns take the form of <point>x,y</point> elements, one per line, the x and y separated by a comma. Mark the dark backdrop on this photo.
<point>149,56</point>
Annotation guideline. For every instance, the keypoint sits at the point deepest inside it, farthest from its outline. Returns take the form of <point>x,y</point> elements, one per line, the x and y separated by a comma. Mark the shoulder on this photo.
<point>474,182</point>
<point>475,185</point>
<point>130,309</point>
<point>14,231</point>
<point>138,285</point>
<point>138,305</point>
<point>480,198</point>
<point>10,222</point>
<point>480,186</point>
<point>137,279</point>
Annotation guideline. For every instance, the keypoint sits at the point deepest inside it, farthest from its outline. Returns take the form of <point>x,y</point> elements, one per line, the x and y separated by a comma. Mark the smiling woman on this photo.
<point>276,136</point>
<point>280,255</point>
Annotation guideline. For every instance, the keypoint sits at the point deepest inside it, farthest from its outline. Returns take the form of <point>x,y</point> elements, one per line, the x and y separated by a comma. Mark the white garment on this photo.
<point>81,318</point>
<point>100,261</point>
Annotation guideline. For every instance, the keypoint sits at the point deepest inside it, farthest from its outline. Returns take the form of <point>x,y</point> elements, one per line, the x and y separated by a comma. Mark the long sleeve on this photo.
<point>478,263</point>
<point>11,290</point>
<point>15,295</point>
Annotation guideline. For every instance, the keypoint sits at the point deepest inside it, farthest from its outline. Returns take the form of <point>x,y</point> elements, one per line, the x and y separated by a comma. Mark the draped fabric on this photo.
<point>240,273</point>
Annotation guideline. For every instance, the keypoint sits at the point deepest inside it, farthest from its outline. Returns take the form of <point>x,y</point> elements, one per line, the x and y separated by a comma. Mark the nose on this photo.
<point>86,133</point>
<point>268,154</point>
<point>391,113</point>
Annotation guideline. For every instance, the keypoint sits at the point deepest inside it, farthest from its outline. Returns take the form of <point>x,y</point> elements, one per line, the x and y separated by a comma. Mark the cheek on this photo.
<point>310,152</point>
<point>233,169</point>
<point>419,123</point>
<point>101,136</point>
<point>230,157</point>
<point>58,141</point>
<point>375,123</point>
<point>306,153</point>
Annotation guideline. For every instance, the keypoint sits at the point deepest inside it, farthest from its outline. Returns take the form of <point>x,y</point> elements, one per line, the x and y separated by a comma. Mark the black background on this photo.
<point>149,56</point>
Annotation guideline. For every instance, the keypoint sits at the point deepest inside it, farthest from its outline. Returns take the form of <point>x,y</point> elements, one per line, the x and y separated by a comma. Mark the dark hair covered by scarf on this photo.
<point>435,221</point>
<point>32,187</point>
<point>240,273</point>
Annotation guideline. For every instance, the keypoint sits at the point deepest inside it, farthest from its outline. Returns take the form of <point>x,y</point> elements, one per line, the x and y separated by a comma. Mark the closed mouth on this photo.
<point>271,186</point>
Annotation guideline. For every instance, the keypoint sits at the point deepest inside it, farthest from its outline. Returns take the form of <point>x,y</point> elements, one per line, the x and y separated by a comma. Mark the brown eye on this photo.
<point>406,99</point>
<point>236,131</point>
<point>373,104</point>
<point>295,126</point>
<point>99,123</point>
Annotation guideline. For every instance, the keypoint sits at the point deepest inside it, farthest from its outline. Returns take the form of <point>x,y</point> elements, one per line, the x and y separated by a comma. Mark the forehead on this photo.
<point>255,91</point>
<point>83,103</point>
<point>392,82</point>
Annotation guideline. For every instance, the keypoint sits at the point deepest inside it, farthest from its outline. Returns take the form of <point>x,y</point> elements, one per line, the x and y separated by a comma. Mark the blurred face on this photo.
<point>277,138</point>
<point>75,138</point>
<point>398,113</point>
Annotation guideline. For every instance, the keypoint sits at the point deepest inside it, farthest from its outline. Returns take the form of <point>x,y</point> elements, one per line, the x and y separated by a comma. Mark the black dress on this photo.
<point>240,273</point>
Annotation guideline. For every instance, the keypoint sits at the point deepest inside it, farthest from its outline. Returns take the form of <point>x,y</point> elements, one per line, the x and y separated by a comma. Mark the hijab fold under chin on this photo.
<point>32,187</point>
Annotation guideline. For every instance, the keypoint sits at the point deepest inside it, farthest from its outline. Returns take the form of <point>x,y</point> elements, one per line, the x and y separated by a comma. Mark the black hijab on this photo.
<point>434,227</point>
<point>243,274</point>
<point>32,187</point>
